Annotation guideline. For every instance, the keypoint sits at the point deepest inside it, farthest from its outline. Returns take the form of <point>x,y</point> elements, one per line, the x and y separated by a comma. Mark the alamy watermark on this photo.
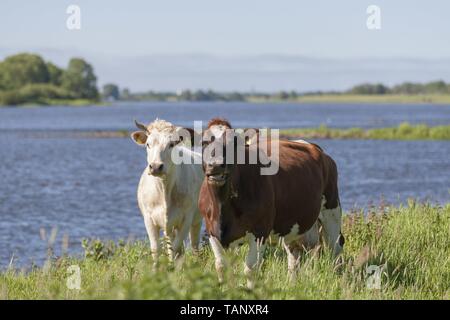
<point>218,145</point>
<point>373,21</point>
<point>73,21</point>
<point>73,281</point>
<point>374,274</point>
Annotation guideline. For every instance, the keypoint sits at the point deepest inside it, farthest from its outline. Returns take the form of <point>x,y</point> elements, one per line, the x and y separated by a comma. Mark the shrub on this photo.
<point>34,93</point>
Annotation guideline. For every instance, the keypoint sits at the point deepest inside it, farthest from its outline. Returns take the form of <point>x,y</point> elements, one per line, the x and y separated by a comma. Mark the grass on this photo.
<point>362,98</point>
<point>58,102</point>
<point>312,98</point>
<point>404,131</point>
<point>411,244</point>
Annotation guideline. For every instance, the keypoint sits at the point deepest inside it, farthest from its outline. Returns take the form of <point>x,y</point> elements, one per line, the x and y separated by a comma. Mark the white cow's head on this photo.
<point>160,138</point>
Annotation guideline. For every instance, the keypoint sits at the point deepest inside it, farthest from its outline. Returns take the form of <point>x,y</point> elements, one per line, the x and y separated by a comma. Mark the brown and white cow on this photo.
<point>239,204</point>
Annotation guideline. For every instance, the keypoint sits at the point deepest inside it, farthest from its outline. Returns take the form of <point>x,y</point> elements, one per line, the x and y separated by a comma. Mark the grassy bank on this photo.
<point>404,131</point>
<point>380,98</point>
<point>411,244</point>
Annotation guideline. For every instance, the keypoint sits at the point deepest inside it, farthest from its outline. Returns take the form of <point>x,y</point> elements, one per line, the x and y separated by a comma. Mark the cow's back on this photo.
<point>298,186</point>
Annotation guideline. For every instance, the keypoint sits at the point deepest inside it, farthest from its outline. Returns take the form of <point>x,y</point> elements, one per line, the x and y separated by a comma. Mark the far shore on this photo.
<point>439,99</point>
<point>375,99</point>
<point>404,131</point>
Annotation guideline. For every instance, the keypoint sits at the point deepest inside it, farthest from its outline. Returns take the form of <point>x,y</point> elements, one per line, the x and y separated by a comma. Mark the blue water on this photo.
<point>120,116</point>
<point>86,187</point>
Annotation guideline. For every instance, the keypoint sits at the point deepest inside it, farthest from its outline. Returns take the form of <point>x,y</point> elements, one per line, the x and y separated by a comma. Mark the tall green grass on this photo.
<point>410,244</point>
<point>404,131</point>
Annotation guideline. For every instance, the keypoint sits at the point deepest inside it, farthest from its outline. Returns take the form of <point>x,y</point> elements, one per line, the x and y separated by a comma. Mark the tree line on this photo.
<point>433,87</point>
<point>27,78</point>
<point>406,88</point>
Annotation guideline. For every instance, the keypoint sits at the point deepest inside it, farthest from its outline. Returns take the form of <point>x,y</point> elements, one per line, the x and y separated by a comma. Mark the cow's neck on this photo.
<point>225,205</point>
<point>167,184</point>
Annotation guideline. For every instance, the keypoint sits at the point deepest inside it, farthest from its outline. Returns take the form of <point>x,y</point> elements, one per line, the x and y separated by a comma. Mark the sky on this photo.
<point>253,34</point>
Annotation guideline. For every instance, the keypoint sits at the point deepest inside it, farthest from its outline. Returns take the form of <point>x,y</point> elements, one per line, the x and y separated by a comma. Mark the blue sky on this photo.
<point>231,28</point>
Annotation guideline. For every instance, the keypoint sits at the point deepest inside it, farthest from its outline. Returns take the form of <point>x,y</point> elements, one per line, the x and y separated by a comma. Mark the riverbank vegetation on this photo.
<point>390,253</point>
<point>404,131</point>
<point>407,92</point>
<point>28,79</point>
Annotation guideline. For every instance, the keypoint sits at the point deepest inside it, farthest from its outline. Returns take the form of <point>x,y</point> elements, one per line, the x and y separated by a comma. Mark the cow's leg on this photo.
<point>219,256</point>
<point>331,220</point>
<point>178,240</point>
<point>194,235</point>
<point>310,238</point>
<point>293,257</point>
<point>169,238</point>
<point>254,258</point>
<point>153,236</point>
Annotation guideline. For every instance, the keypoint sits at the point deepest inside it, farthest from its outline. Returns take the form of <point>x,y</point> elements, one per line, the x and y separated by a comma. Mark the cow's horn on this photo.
<point>141,126</point>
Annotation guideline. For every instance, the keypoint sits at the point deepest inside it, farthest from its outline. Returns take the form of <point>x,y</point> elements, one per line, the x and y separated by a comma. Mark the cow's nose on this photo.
<point>156,168</point>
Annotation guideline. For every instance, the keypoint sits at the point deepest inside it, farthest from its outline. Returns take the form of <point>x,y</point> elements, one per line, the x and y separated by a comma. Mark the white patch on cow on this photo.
<point>294,243</point>
<point>254,256</point>
<point>292,236</point>
<point>219,256</point>
<point>331,220</point>
<point>307,240</point>
<point>251,260</point>
<point>311,237</point>
<point>301,141</point>
<point>218,130</point>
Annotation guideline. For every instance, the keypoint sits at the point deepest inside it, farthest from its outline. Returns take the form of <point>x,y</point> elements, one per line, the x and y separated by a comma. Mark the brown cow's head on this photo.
<point>223,148</point>
<point>218,146</point>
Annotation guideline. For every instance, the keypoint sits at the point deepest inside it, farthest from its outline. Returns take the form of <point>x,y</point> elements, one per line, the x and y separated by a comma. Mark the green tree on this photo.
<point>55,74</point>
<point>186,95</point>
<point>282,95</point>
<point>439,87</point>
<point>409,88</point>
<point>80,79</point>
<point>21,69</point>
<point>126,94</point>
<point>368,88</point>
<point>111,91</point>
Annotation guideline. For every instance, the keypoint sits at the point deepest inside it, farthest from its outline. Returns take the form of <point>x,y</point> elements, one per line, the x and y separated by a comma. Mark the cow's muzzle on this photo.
<point>218,179</point>
<point>155,169</point>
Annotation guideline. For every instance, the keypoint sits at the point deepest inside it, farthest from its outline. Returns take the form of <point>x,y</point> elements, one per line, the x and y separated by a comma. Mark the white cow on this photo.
<point>168,190</point>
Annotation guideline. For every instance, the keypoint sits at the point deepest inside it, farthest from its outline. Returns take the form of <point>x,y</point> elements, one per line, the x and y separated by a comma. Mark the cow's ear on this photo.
<point>140,137</point>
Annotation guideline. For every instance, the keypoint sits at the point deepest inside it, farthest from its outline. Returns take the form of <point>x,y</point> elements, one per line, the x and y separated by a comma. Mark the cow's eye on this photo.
<point>172,144</point>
